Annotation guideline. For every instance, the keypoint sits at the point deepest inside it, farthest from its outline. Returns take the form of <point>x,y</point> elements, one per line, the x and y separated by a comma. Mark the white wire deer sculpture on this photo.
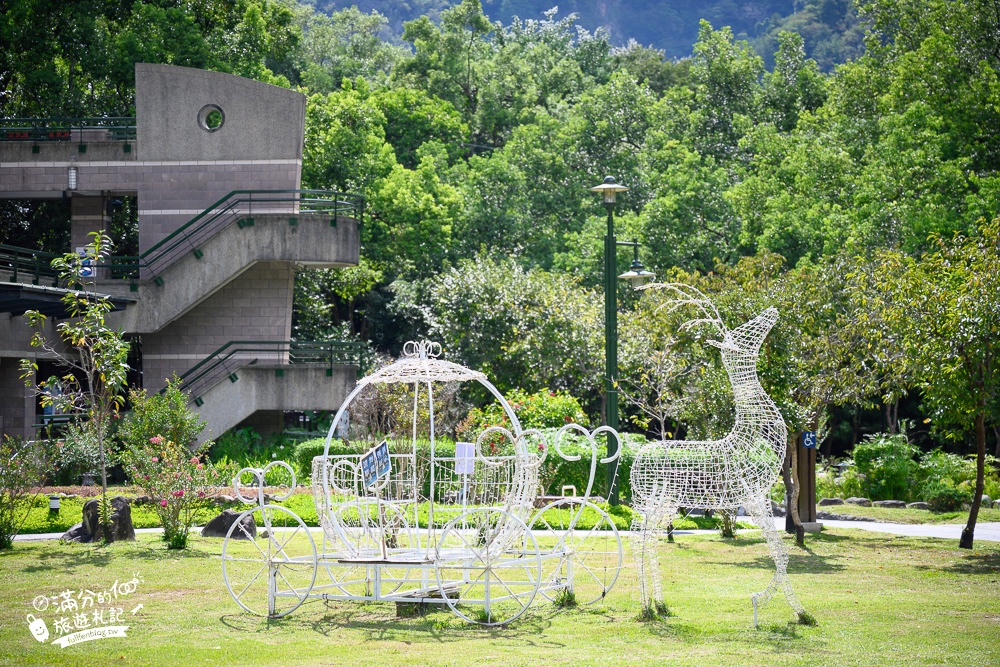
<point>736,470</point>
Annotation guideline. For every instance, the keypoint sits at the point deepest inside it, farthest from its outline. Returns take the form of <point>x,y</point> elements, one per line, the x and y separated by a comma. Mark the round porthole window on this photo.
<point>211,117</point>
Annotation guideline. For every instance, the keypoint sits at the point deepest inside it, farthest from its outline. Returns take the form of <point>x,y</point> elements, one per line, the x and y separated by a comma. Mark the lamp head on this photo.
<point>609,189</point>
<point>637,274</point>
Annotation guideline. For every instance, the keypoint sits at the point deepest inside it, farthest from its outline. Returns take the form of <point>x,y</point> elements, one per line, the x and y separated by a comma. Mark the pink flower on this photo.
<point>156,440</point>
<point>163,503</point>
<point>200,466</point>
<point>194,460</point>
<point>145,476</point>
<point>201,494</point>
<point>156,459</point>
<point>178,493</point>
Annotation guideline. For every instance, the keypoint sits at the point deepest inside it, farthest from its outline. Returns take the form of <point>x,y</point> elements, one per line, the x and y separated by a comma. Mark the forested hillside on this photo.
<point>835,195</point>
<point>829,27</point>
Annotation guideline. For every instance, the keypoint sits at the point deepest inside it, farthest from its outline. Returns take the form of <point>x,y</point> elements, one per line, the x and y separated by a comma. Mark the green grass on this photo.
<point>40,520</point>
<point>877,600</point>
<point>910,516</point>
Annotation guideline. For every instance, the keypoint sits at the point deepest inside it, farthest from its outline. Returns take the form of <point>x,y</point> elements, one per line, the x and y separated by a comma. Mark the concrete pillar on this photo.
<point>88,214</point>
<point>17,405</point>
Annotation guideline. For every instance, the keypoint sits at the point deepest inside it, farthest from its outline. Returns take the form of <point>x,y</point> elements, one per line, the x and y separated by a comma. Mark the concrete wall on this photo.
<point>307,387</point>
<point>256,306</point>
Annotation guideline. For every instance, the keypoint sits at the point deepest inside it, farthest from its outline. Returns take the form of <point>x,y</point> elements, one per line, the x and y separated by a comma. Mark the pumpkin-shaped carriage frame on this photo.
<point>473,537</point>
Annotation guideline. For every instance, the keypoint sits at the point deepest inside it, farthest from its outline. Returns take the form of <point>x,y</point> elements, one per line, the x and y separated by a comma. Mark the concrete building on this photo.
<point>215,162</point>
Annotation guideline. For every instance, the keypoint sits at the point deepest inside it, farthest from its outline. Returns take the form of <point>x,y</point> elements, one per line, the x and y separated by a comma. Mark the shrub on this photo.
<point>831,484</point>
<point>944,496</point>
<point>887,463</point>
<point>20,472</point>
<point>165,415</point>
<point>543,409</point>
<point>175,479</point>
<point>554,474</point>
<point>245,448</point>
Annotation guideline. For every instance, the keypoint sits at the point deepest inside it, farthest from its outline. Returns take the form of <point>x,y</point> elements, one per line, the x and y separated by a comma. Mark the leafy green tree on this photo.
<point>413,118</point>
<point>346,44</point>
<point>94,356</point>
<point>726,77</point>
<point>530,330</point>
<point>945,319</point>
<point>345,147</point>
<point>417,210</point>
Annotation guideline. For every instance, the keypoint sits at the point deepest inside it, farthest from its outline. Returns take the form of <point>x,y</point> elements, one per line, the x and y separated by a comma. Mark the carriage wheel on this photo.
<point>588,560</point>
<point>488,566</point>
<point>272,573</point>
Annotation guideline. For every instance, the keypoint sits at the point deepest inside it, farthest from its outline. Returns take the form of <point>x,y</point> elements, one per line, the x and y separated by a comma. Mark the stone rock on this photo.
<point>919,505</point>
<point>265,534</point>
<point>996,504</point>
<point>224,500</point>
<point>89,530</point>
<point>220,525</point>
<point>824,502</point>
<point>986,501</point>
<point>143,500</point>
<point>863,502</point>
<point>776,509</point>
<point>895,504</point>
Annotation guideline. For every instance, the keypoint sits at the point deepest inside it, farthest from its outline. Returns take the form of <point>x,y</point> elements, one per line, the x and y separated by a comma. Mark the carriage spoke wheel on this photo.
<point>587,550</point>
<point>272,573</point>
<point>488,566</point>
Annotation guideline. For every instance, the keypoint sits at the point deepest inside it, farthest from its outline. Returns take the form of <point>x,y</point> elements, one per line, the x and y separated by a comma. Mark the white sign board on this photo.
<point>465,458</point>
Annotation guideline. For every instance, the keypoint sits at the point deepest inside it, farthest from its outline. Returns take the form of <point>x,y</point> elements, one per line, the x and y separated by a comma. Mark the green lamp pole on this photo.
<point>638,276</point>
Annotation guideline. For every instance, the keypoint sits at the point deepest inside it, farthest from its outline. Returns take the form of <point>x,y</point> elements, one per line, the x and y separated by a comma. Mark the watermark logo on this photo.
<point>84,615</point>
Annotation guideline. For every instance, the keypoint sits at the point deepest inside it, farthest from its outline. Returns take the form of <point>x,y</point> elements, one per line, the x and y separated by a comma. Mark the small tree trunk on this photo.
<point>970,528</point>
<point>996,433</point>
<point>793,511</point>
<point>786,477</point>
<point>727,524</point>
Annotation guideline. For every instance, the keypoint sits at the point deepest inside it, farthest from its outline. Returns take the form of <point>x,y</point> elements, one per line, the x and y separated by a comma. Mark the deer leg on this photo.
<point>645,532</point>
<point>760,510</point>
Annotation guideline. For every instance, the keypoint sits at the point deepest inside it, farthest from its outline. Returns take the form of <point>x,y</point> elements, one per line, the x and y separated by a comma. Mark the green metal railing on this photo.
<point>238,206</point>
<point>17,265</point>
<point>67,129</point>
<point>234,355</point>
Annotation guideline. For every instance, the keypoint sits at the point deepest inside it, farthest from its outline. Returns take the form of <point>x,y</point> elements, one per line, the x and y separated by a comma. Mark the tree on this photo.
<point>95,356</point>
<point>945,316</point>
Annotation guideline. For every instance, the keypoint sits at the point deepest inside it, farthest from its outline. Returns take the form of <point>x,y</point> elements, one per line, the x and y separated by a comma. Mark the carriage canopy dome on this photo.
<point>419,363</point>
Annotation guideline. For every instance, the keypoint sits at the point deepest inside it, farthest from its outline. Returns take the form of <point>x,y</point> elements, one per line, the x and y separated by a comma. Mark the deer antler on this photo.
<point>691,296</point>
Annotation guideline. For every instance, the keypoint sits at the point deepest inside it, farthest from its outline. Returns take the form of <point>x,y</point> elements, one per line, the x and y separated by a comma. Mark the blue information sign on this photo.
<point>809,439</point>
<point>376,463</point>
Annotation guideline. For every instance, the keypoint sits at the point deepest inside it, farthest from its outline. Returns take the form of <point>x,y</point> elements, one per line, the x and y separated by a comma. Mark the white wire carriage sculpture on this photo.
<point>460,529</point>
<point>736,470</point>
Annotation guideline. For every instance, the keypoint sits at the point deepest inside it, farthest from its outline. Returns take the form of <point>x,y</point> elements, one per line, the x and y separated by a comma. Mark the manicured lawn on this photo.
<point>40,520</point>
<point>879,600</point>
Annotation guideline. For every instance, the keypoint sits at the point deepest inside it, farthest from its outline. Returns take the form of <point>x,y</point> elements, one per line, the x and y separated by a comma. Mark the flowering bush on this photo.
<point>176,479</point>
<point>543,409</point>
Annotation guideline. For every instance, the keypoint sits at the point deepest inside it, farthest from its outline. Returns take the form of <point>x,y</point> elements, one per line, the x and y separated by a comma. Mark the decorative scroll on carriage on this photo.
<point>456,528</point>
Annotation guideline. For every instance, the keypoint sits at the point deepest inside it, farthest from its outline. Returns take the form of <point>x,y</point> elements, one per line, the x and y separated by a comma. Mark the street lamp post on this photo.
<point>638,276</point>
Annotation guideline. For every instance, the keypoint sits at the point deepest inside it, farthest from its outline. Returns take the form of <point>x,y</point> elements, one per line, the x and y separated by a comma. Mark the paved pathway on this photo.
<point>985,530</point>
